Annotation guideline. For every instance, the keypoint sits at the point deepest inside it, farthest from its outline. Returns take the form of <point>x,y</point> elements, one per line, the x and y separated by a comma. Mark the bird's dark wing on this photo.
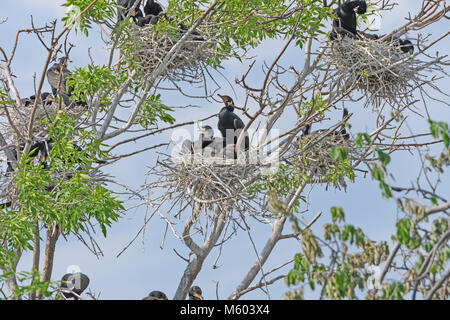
<point>238,123</point>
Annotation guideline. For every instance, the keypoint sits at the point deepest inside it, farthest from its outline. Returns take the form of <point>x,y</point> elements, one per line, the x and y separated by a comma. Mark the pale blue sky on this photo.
<point>144,266</point>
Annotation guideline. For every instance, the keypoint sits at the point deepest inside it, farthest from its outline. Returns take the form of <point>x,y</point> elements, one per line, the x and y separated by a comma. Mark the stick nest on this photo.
<point>149,47</point>
<point>204,181</point>
<point>314,158</point>
<point>378,68</point>
<point>15,120</point>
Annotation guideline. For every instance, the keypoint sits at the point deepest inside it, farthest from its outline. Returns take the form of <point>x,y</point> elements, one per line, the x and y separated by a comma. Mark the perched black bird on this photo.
<point>37,150</point>
<point>127,4</point>
<point>346,14</point>
<point>306,130</point>
<point>230,125</point>
<point>153,7</point>
<point>346,24</point>
<point>341,133</point>
<point>57,77</point>
<point>156,295</point>
<point>195,293</point>
<point>73,283</point>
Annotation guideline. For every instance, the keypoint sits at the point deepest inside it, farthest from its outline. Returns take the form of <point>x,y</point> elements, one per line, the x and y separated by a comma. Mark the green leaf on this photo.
<point>384,158</point>
<point>338,153</point>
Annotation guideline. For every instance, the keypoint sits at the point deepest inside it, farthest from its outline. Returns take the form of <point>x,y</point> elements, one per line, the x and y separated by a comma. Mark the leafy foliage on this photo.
<point>100,11</point>
<point>62,193</point>
<point>347,268</point>
<point>153,110</point>
<point>92,80</point>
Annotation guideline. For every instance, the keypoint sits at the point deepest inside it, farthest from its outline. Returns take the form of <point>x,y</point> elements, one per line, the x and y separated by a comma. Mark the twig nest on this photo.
<point>315,160</point>
<point>20,118</point>
<point>377,67</point>
<point>204,180</point>
<point>149,47</point>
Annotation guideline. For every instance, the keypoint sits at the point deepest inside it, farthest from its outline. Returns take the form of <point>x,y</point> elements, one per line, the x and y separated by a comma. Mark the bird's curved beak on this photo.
<point>56,71</point>
<point>198,296</point>
<point>133,13</point>
<point>223,98</point>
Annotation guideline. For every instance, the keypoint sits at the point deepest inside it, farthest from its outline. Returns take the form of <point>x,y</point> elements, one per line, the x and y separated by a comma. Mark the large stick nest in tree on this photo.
<point>150,47</point>
<point>15,120</point>
<point>378,68</point>
<point>205,181</point>
<point>313,158</point>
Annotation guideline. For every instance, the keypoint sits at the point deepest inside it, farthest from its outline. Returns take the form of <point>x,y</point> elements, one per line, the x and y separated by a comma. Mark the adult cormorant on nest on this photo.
<point>156,295</point>
<point>195,293</point>
<point>345,25</point>
<point>153,7</point>
<point>230,125</point>
<point>57,77</point>
<point>73,283</point>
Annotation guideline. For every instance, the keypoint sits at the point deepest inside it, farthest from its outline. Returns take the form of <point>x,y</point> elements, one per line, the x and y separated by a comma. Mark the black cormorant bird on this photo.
<point>346,14</point>
<point>57,77</point>
<point>230,125</point>
<point>127,4</point>
<point>156,295</point>
<point>343,133</point>
<point>73,283</point>
<point>346,24</point>
<point>338,133</point>
<point>153,7</point>
<point>195,293</point>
